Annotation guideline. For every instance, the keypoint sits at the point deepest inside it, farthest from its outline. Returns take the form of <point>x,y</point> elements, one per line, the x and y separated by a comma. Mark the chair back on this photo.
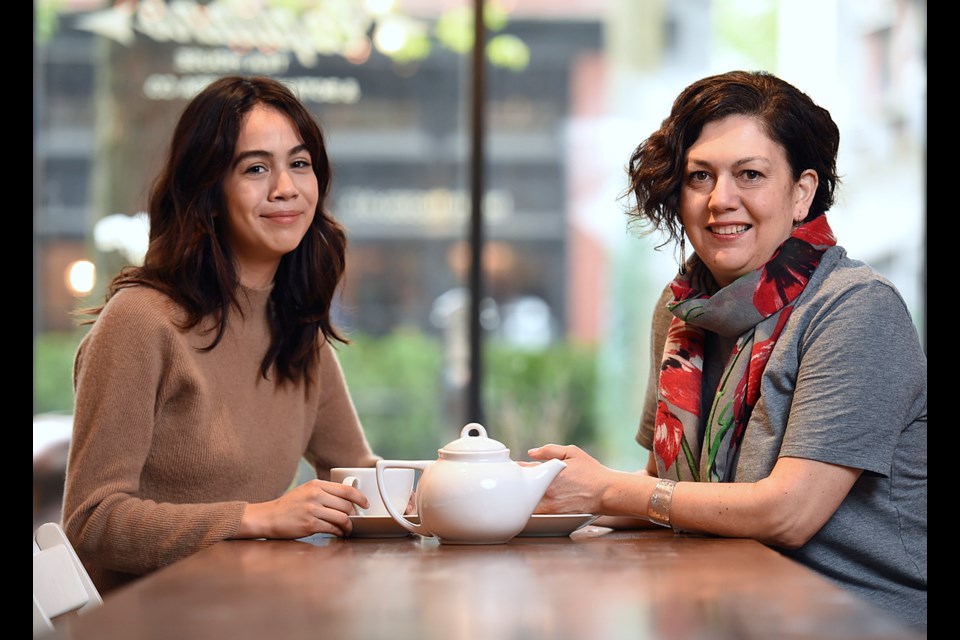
<point>60,582</point>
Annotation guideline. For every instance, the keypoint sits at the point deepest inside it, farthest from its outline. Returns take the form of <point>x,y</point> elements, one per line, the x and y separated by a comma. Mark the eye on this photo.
<point>751,174</point>
<point>698,176</point>
<point>300,164</point>
<point>255,169</point>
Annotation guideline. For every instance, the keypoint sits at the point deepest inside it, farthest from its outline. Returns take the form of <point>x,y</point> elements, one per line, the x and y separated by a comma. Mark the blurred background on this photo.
<point>570,88</point>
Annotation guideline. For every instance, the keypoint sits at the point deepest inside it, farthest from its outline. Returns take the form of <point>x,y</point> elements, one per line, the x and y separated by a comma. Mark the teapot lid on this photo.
<point>473,444</point>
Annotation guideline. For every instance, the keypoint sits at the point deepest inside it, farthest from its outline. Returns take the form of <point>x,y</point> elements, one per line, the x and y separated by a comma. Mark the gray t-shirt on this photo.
<point>846,384</point>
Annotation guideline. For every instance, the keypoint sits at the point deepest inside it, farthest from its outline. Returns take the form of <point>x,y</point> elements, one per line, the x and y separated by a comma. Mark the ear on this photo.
<point>806,188</point>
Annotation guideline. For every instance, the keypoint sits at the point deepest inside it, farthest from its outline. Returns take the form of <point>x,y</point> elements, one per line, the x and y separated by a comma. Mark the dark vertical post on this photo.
<point>474,388</point>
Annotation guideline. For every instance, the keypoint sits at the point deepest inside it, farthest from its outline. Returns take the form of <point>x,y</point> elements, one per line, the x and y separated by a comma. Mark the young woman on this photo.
<point>209,371</point>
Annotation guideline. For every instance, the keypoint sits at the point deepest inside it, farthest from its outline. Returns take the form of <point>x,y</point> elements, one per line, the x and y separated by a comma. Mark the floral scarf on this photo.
<point>754,308</point>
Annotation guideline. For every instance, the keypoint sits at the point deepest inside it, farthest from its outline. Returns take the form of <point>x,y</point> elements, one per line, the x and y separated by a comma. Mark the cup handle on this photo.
<point>418,529</point>
<point>353,481</point>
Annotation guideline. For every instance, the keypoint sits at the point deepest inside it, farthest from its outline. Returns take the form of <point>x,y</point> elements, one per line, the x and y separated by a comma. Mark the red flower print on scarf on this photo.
<point>682,367</point>
<point>784,277</point>
<point>816,232</point>
<point>682,290</point>
<point>788,271</point>
<point>667,434</point>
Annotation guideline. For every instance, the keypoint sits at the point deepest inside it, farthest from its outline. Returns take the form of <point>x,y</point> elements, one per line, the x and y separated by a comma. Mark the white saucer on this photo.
<point>550,525</point>
<point>379,527</point>
<point>539,526</point>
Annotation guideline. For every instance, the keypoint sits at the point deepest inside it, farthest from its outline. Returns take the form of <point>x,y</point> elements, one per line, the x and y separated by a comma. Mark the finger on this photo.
<point>349,494</point>
<point>548,451</point>
<point>352,504</point>
<point>334,521</point>
<point>361,500</point>
<point>346,528</point>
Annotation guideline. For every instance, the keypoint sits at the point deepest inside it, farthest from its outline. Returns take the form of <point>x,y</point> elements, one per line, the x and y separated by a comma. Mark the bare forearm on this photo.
<point>784,509</point>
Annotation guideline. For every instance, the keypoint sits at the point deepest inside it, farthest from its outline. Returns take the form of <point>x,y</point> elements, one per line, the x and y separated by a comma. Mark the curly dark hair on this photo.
<point>188,258</point>
<point>789,117</point>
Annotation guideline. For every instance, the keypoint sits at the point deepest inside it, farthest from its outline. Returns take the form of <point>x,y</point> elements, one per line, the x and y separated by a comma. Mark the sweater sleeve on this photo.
<point>120,378</point>
<point>338,439</point>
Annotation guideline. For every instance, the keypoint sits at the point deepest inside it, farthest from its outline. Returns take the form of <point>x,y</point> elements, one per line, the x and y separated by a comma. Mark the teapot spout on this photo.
<point>539,476</point>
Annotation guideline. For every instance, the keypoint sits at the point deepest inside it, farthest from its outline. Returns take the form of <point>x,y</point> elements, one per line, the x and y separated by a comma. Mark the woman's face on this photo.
<point>739,201</point>
<point>271,194</point>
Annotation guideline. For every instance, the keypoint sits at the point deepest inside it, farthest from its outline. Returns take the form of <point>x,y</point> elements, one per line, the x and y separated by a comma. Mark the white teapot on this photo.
<point>474,493</point>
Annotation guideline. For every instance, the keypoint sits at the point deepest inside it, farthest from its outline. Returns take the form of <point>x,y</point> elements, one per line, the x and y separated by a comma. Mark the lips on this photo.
<point>729,229</point>
<point>281,216</point>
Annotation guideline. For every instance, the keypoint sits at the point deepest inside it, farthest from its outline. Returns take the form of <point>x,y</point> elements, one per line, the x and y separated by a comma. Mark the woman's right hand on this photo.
<point>316,506</point>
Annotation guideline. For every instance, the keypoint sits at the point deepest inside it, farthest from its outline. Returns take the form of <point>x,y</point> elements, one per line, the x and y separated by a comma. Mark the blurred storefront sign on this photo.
<point>335,27</point>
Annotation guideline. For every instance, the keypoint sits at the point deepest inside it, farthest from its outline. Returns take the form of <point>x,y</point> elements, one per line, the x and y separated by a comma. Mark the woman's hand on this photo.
<point>587,486</point>
<point>579,487</point>
<point>411,505</point>
<point>316,506</point>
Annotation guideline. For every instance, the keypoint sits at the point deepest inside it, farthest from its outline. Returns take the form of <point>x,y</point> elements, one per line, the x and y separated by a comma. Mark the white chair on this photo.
<point>60,583</point>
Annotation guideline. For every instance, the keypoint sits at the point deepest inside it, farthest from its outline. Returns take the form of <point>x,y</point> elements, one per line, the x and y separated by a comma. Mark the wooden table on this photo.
<point>596,584</point>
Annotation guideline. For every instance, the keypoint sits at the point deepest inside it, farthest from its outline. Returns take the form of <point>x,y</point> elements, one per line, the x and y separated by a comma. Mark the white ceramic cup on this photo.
<point>398,485</point>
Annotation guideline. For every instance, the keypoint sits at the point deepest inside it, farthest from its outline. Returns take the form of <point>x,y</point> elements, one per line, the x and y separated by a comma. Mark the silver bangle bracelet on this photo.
<point>658,509</point>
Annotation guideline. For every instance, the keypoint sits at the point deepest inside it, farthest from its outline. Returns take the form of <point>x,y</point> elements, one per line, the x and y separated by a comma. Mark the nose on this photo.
<point>724,195</point>
<point>284,188</point>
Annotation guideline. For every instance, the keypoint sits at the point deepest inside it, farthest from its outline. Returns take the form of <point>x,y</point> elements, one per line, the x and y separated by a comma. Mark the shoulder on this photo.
<point>853,310</point>
<point>661,313</point>
<point>329,359</point>
<point>134,326</point>
<point>844,284</point>
<point>141,300</point>
<point>139,310</point>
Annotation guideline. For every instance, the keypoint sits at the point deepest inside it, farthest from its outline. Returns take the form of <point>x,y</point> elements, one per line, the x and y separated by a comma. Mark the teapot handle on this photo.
<point>418,529</point>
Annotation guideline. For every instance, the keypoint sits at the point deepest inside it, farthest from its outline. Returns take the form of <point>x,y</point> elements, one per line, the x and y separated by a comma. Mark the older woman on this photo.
<point>788,396</point>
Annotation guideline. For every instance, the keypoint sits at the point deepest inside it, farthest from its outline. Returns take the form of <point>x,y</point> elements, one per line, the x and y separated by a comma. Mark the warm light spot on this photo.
<point>358,52</point>
<point>80,276</point>
<point>390,36</point>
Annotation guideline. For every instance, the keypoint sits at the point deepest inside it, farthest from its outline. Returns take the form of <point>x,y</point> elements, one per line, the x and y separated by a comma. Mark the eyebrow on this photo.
<point>740,162</point>
<point>260,153</point>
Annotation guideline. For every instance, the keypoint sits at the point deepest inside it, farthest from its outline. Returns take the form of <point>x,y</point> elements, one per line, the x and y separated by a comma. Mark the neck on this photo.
<point>258,277</point>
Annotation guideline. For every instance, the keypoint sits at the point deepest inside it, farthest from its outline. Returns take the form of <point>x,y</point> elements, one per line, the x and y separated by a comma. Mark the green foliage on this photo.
<point>747,31</point>
<point>396,385</point>
<point>454,30</point>
<point>396,381</point>
<point>415,47</point>
<point>45,19</point>
<point>531,397</point>
<point>53,354</point>
<point>293,6</point>
<point>539,397</point>
<point>508,51</point>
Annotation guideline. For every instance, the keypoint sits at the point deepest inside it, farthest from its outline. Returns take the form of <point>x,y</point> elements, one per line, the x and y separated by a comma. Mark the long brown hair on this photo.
<point>188,259</point>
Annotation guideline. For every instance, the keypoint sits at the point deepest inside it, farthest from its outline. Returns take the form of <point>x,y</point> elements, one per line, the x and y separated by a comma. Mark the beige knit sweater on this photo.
<point>170,443</point>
